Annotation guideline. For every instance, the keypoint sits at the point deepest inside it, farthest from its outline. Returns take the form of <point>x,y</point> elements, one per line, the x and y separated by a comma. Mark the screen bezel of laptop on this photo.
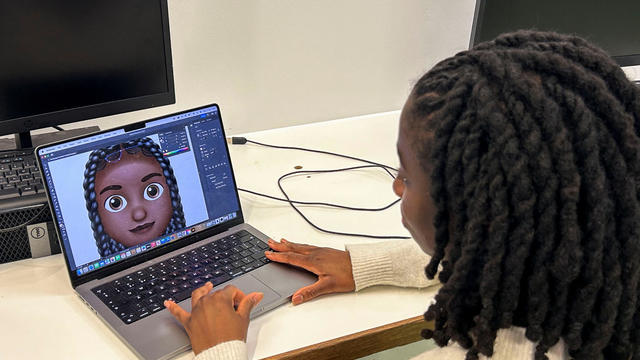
<point>77,280</point>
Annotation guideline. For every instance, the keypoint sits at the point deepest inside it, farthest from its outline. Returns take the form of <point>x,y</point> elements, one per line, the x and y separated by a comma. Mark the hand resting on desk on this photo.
<point>332,266</point>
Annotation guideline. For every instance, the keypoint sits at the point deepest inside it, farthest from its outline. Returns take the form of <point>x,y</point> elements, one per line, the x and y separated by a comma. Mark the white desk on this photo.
<point>41,317</point>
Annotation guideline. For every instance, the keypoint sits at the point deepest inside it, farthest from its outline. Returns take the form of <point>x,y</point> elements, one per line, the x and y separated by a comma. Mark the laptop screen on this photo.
<point>118,194</point>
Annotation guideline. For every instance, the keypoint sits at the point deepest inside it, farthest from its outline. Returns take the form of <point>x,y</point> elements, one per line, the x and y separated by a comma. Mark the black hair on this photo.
<point>106,245</point>
<point>535,173</point>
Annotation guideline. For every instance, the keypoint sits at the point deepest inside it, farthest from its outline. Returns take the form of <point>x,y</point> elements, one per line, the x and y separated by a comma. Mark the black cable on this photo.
<point>242,140</point>
<point>318,203</point>
<point>385,167</point>
<point>57,128</point>
<point>325,230</point>
<point>323,203</point>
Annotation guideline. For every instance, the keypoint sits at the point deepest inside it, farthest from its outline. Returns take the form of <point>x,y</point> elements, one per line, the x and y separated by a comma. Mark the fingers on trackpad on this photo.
<point>249,284</point>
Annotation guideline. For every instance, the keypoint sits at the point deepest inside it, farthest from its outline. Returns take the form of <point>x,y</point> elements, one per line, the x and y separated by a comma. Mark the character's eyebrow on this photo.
<point>111,187</point>
<point>149,176</point>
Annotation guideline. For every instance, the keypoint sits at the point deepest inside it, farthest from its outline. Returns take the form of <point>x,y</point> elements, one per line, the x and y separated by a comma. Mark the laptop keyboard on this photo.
<point>19,175</point>
<point>142,293</point>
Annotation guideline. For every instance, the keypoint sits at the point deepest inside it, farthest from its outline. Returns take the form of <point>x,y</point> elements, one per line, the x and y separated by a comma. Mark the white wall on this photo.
<point>274,63</point>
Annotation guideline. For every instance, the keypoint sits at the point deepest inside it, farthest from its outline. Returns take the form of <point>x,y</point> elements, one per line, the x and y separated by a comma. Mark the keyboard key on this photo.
<point>173,291</point>
<point>219,272</point>
<point>152,300</point>
<point>235,272</point>
<point>247,238</point>
<point>220,279</point>
<point>142,313</point>
<point>185,294</point>
<point>197,282</point>
<point>207,277</point>
<point>27,190</point>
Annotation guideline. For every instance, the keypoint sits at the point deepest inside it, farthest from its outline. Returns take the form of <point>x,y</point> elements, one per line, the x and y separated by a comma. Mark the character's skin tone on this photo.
<point>134,203</point>
<point>214,320</point>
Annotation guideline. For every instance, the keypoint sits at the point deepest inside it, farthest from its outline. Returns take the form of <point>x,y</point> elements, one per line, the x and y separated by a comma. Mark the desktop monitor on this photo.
<point>66,61</point>
<point>613,25</point>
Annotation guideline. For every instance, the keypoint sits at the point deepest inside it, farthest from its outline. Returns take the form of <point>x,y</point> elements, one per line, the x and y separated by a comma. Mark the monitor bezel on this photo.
<point>158,251</point>
<point>28,123</point>
<point>623,60</point>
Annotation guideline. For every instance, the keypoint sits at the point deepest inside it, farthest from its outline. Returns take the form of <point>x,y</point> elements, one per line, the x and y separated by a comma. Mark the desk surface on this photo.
<point>42,316</point>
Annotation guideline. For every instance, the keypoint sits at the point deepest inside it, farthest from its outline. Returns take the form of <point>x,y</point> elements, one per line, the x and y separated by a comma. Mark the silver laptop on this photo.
<point>149,212</point>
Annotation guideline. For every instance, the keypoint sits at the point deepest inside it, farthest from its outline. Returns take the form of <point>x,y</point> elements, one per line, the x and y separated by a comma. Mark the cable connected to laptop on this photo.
<point>371,164</point>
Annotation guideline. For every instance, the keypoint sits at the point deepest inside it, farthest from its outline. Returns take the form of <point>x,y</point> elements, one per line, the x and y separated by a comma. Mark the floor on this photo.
<point>402,352</point>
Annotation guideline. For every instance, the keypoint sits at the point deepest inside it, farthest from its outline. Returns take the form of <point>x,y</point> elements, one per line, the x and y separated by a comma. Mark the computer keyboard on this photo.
<point>142,293</point>
<point>19,175</point>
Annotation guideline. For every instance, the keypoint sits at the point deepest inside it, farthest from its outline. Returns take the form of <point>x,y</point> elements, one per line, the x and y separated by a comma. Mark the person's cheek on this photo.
<point>405,210</point>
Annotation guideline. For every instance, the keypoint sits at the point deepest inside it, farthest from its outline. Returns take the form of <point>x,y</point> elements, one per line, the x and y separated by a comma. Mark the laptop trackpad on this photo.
<point>249,284</point>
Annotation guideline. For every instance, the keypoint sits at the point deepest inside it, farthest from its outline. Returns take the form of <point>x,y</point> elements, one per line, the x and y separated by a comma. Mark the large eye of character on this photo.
<point>153,191</point>
<point>115,203</point>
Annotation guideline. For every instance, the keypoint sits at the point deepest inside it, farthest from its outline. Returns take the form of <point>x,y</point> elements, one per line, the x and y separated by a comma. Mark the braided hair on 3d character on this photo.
<point>106,245</point>
<point>535,172</point>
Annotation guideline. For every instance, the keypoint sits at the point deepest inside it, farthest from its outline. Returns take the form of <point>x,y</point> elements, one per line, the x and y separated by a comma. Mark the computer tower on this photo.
<point>27,232</point>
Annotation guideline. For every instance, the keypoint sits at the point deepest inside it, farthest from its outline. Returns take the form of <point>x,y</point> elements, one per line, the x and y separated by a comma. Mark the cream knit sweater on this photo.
<point>401,263</point>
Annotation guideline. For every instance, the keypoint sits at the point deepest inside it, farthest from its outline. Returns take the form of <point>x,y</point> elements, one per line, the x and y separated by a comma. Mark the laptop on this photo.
<point>149,212</point>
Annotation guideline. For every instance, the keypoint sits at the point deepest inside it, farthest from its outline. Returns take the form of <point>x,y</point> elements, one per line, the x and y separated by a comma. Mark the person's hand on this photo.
<point>214,318</point>
<point>333,268</point>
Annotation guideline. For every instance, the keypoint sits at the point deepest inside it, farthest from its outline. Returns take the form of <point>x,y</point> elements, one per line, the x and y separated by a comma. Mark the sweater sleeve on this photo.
<point>230,350</point>
<point>399,263</point>
<point>510,344</point>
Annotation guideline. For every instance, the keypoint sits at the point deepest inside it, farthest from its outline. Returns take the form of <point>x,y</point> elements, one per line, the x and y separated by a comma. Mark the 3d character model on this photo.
<point>131,195</point>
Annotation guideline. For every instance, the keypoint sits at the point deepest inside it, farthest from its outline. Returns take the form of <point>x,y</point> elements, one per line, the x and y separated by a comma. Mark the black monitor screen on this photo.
<point>613,25</point>
<point>65,61</point>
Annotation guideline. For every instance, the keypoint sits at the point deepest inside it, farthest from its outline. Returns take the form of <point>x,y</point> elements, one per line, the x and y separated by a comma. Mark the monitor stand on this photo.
<point>26,140</point>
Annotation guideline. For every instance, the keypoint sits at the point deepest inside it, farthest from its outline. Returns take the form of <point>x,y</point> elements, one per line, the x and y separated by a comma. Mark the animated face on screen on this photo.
<point>131,195</point>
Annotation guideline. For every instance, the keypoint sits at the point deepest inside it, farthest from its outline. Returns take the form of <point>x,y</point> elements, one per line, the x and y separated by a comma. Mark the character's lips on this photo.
<point>140,229</point>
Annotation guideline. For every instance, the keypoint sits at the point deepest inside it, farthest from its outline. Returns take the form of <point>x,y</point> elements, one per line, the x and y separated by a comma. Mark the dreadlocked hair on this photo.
<point>535,173</point>
<point>97,161</point>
